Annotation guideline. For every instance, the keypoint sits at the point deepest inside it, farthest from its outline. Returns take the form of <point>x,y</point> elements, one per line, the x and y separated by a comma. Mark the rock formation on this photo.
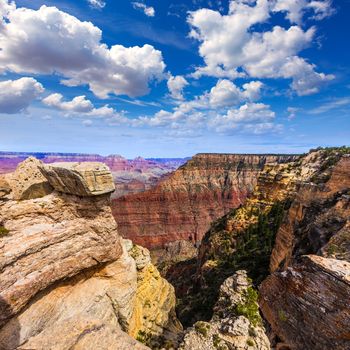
<point>182,206</point>
<point>67,279</point>
<point>307,305</point>
<point>236,322</point>
<point>130,176</point>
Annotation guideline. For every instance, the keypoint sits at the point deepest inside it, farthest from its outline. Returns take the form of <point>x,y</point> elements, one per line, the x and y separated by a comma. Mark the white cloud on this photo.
<point>296,9</point>
<point>49,41</point>
<point>79,104</point>
<point>258,113</point>
<point>82,107</point>
<point>331,105</point>
<point>97,4</point>
<point>292,112</point>
<point>87,122</point>
<point>176,86</point>
<point>226,93</point>
<point>147,10</point>
<point>16,95</point>
<point>231,48</point>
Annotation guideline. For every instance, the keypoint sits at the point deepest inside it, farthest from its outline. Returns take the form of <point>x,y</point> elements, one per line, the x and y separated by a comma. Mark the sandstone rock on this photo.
<point>27,182</point>
<point>318,221</point>
<point>52,238</point>
<point>5,188</point>
<point>154,318</point>
<point>236,323</point>
<point>307,305</point>
<point>81,179</point>
<point>88,311</point>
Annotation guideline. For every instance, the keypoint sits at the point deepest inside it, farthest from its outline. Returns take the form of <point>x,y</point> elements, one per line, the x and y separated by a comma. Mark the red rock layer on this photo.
<point>183,205</point>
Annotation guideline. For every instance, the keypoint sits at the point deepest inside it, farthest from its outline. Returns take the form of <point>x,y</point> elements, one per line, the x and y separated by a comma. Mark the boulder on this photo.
<point>27,182</point>
<point>81,179</point>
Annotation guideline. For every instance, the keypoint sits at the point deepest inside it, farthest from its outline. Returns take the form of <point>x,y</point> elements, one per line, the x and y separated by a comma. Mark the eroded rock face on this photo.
<point>182,206</point>
<point>307,305</point>
<point>236,323</point>
<point>27,182</point>
<point>49,239</point>
<point>318,221</point>
<point>81,179</point>
<point>154,318</point>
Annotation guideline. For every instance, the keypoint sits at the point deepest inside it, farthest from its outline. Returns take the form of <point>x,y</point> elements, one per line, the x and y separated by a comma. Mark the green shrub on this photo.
<point>202,328</point>
<point>249,307</point>
<point>250,342</point>
<point>3,231</point>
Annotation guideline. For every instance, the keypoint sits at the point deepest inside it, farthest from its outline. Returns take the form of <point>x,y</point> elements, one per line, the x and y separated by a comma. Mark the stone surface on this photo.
<point>81,179</point>
<point>318,221</point>
<point>182,206</point>
<point>27,182</point>
<point>228,329</point>
<point>49,239</point>
<point>69,281</point>
<point>154,318</point>
<point>308,306</point>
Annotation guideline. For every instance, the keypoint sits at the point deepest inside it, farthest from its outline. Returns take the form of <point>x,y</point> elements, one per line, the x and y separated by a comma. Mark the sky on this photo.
<point>165,78</point>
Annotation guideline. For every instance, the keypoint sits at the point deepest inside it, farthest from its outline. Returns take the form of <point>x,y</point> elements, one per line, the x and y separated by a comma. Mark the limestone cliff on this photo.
<point>67,278</point>
<point>183,205</point>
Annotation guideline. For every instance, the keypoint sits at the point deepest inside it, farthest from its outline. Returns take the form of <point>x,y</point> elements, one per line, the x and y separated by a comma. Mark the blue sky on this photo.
<point>170,79</point>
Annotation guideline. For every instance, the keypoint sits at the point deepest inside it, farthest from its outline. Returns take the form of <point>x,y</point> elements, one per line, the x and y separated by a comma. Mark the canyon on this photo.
<point>130,176</point>
<point>260,260</point>
<point>184,204</point>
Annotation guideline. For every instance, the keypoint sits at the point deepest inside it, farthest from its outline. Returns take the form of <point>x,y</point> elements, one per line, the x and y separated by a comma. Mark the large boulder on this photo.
<point>27,182</point>
<point>81,179</point>
<point>307,305</point>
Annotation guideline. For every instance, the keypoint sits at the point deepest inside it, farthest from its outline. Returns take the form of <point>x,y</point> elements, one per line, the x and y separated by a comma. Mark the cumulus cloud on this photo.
<point>147,10</point>
<point>243,118</point>
<point>296,9</point>
<point>49,41</point>
<point>97,4</point>
<point>176,86</point>
<point>16,95</point>
<point>81,106</point>
<point>231,48</point>
<point>226,93</point>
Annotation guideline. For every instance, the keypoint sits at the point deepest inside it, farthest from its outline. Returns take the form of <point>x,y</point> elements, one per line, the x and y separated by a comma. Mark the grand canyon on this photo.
<point>238,245</point>
<point>174,175</point>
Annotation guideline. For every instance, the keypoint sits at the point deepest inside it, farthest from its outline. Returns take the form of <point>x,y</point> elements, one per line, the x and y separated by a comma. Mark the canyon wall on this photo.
<point>68,280</point>
<point>292,239</point>
<point>182,206</point>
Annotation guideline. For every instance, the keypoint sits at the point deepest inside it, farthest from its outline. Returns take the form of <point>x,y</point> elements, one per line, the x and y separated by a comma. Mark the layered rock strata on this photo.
<point>182,206</point>
<point>67,279</point>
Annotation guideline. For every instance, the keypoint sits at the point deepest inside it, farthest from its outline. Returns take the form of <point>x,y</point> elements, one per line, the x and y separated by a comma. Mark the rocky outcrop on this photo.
<point>182,206</point>
<point>130,175</point>
<point>318,221</point>
<point>67,278</point>
<point>236,323</point>
<point>307,305</point>
<point>81,179</point>
<point>154,319</point>
<point>27,182</point>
